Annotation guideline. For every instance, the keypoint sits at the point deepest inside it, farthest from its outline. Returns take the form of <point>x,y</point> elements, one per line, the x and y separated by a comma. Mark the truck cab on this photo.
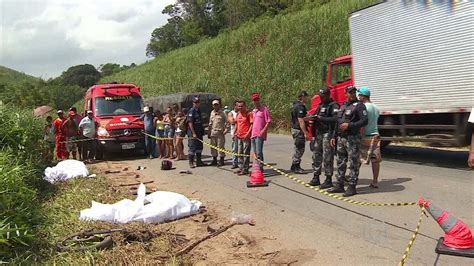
<point>114,107</point>
<point>337,76</point>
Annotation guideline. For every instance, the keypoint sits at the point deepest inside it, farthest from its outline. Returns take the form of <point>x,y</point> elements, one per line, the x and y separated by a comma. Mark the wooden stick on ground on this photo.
<point>197,242</point>
<point>136,184</point>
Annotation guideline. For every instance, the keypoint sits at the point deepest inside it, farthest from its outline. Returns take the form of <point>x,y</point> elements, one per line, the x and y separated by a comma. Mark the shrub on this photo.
<point>21,163</point>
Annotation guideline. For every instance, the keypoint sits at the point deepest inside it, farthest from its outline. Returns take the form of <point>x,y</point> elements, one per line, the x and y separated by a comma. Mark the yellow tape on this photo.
<point>324,192</point>
<point>413,237</point>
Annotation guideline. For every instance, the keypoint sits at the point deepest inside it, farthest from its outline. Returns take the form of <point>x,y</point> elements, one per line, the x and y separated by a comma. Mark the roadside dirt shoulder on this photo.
<point>241,244</point>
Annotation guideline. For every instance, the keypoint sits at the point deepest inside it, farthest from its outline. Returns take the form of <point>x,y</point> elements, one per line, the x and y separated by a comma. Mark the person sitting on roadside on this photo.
<point>88,128</point>
<point>243,132</point>
<point>160,133</point>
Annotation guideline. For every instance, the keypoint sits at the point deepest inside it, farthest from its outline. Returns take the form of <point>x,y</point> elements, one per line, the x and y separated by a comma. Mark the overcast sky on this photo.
<point>45,37</point>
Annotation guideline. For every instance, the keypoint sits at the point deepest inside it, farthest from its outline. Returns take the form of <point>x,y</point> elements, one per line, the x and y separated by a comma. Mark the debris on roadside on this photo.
<point>112,171</point>
<point>139,168</point>
<point>214,230</point>
<point>186,172</point>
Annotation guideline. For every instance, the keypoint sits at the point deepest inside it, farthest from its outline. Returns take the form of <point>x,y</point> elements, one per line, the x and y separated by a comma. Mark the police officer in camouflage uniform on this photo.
<point>324,118</point>
<point>352,117</point>
<point>298,131</point>
<point>196,130</point>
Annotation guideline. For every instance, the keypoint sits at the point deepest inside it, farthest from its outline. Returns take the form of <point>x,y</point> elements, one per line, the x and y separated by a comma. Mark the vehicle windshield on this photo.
<point>340,73</point>
<point>118,105</point>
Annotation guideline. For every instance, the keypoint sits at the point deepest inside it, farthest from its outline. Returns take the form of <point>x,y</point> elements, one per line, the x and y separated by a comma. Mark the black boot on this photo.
<point>221,162</point>
<point>327,183</point>
<point>338,188</point>
<point>315,181</point>
<point>199,162</point>
<point>351,191</point>
<point>292,167</point>
<point>298,169</point>
<point>191,161</point>
<point>214,161</point>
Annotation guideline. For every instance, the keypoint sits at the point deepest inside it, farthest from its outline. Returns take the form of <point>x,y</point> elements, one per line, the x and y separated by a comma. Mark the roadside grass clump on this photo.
<point>21,163</point>
<point>276,56</point>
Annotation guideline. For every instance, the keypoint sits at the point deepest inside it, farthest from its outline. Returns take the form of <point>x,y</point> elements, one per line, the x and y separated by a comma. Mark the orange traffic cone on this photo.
<point>457,233</point>
<point>256,177</point>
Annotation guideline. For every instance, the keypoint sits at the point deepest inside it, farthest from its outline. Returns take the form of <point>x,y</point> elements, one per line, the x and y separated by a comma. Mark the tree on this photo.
<point>109,69</point>
<point>83,76</point>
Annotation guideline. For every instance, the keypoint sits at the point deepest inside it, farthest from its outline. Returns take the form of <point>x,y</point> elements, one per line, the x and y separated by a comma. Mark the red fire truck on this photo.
<point>114,106</point>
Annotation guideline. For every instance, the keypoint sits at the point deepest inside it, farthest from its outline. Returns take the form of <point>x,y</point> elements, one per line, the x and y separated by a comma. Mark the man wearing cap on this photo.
<point>261,121</point>
<point>88,127</point>
<point>196,130</point>
<point>370,146</point>
<point>298,131</point>
<point>324,118</point>
<point>217,129</point>
<point>70,129</point>
<point>60,137</point>
<point>352,117</point>
<point>76,117</point>
<point>150,144</point>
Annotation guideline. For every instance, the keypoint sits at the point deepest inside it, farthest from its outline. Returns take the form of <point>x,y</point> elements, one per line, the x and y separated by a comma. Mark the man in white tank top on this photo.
<point>231,118</point>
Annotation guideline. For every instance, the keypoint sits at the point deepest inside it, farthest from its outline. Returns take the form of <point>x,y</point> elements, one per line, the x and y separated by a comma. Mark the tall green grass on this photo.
<point>21,163</point>
<point>276,56</point>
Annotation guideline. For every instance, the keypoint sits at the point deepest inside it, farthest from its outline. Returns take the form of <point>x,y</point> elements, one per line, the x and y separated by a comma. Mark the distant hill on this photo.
<point>276,56</point>
<point>9,76</point>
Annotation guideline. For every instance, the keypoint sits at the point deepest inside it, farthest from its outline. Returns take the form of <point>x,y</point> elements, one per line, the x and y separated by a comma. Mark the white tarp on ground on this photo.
<point>65,170</point>
<point>161,206</point>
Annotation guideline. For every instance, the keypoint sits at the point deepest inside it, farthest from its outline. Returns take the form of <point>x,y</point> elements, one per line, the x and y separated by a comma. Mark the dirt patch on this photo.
<point>240,244</point>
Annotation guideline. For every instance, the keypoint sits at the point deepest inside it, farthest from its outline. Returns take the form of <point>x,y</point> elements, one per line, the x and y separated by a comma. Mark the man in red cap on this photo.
<point>261,121</point>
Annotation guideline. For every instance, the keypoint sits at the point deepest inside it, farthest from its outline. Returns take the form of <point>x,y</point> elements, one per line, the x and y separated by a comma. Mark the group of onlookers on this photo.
<point>72,136</point>
<point>248,129</point>
<point>164,132</point>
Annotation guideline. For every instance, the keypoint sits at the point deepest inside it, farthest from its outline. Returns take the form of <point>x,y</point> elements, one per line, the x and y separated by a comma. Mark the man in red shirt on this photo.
<point>60,137</point>
<point>243,131</point>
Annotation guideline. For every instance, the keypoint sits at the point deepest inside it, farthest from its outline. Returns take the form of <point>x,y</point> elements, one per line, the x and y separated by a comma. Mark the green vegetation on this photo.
<point>193,20</point>
<point>276,56</point>
<point>21,164</point>
<point>9,76</point>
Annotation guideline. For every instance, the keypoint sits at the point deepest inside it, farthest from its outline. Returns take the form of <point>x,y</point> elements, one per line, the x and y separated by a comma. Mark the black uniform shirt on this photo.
<point>328,117</point>
<point>194,116</point>
<point>299,111</point>
<point>355,114</point>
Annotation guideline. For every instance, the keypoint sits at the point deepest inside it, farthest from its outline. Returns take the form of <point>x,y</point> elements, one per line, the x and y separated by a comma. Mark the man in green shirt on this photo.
<point>370,147</point>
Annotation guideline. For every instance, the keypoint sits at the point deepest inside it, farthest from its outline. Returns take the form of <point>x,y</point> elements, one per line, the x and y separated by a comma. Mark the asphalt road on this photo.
<point>341,233</point>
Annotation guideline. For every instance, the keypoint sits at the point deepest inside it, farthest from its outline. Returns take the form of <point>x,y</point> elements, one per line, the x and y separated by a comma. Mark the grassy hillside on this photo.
<point>9,76</point>
<point>276,56</point>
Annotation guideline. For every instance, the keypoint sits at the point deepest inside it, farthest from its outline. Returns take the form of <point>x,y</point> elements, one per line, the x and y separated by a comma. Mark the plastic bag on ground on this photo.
<point>163,206</point>
<point>65,170</point>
